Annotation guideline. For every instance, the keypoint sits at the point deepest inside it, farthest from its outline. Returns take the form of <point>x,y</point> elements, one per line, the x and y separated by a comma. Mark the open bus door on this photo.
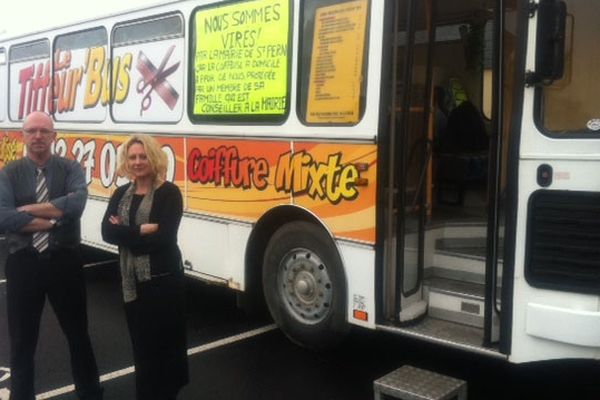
<point>555,301</point>
<point>437,217</point>
<point>409,165</point>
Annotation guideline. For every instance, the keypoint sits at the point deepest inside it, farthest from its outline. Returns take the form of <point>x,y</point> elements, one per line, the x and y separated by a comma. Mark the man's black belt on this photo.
<point>44,255</point>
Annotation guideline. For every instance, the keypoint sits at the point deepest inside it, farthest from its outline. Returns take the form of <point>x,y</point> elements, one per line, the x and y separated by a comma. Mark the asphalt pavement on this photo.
<point>234,356</point>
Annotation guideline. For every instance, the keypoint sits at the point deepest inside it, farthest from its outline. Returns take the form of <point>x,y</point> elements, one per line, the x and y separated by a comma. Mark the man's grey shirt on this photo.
<point>71,204</point>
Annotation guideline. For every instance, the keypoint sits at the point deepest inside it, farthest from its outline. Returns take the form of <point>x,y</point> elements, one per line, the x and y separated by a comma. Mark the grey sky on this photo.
<point>25,16</point>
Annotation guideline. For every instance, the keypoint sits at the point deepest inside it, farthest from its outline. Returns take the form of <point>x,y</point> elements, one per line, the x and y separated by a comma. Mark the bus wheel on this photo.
<point>304,285</point>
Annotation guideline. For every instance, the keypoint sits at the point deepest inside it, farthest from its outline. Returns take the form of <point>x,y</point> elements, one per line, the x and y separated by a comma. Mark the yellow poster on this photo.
<point>337,63</point>
<point>241,58</point>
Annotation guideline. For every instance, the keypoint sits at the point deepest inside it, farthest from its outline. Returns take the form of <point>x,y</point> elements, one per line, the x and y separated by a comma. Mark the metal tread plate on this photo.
<point>411,383</point>
<point>455,287</point>
<point>447,334</point>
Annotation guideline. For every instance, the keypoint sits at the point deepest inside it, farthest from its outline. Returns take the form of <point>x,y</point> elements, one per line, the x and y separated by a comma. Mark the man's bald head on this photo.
<point>38,135</point>
<point>39,116</point>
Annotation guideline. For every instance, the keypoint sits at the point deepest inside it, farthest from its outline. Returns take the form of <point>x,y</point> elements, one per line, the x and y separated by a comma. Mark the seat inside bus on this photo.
<point>461,147</point>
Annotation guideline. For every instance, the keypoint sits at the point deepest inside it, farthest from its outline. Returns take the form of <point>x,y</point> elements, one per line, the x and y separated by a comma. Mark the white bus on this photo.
<point>419,167</point>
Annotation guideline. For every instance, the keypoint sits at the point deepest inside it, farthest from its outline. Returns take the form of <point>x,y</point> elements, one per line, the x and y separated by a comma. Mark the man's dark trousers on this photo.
<point>30,277</point>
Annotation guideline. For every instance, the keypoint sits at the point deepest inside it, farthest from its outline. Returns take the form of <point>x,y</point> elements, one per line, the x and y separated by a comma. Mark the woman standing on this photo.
<point>142,219</point>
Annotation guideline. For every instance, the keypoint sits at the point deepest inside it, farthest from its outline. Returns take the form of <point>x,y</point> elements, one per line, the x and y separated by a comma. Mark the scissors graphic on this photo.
<point>155,79</point>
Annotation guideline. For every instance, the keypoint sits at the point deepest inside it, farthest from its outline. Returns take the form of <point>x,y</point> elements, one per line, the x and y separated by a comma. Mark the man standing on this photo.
<point>42,197</point>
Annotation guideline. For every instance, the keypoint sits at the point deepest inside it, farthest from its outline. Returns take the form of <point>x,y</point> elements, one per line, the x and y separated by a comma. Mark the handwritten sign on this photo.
<point>241,59</point>
<point>337,63</point>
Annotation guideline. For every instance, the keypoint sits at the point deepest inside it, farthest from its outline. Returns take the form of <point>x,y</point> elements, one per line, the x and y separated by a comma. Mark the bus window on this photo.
<point>240,62</point>
<point>571,105</point>
<point>147,30</point>
<point>147,78</point>
<point>81,90</point>
<point>332,82</point>
<point>3,86</point>
<point>29,78</point>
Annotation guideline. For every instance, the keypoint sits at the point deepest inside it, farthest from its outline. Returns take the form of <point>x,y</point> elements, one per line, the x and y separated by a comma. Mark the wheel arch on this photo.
<point>262,232</point>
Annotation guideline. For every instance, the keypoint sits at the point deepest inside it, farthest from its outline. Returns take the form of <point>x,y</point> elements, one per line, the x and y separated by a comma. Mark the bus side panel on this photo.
<point>214,249</point>
<point>234,179</point>
<point>359,264</point>
<point>98,155</point>
<point>91,233</point>
<point>345,197</point>
<point>228,184</point>
<point>551,324</point>
<point>345,202</point>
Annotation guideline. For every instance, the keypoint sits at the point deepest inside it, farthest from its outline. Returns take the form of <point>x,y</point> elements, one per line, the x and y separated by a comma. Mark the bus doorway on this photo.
<point>444,206</point>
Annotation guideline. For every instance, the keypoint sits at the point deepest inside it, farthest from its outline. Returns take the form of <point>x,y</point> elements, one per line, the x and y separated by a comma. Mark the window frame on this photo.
<point>538,98</point>
<point>157,38</point>
<point>57,38</point>
<point>46,53</point>
<point>304,71</point>
<point>4,88</point>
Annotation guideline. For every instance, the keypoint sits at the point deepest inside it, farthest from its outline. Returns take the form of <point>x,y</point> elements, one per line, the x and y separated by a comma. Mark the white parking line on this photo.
<point>191,351</point>
<point>231,339</point>
<point>100,263</point>
<point>2,280</point>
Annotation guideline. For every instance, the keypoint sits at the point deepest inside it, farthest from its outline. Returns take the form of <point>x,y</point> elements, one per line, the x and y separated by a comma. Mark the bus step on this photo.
<point>460,259</point>
<point>411,383</point>
<point>472,244</point>
<point>455,301</point>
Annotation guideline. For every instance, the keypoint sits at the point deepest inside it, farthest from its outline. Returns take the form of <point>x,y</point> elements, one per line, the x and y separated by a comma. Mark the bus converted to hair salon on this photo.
<point>422,167</point>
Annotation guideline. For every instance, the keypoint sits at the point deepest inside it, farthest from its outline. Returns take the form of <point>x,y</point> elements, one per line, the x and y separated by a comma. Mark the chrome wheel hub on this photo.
<point>305,286</point>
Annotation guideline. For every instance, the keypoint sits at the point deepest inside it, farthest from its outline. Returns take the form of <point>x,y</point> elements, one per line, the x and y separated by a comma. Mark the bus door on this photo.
<point>409,160</point>
<point>555,303</point>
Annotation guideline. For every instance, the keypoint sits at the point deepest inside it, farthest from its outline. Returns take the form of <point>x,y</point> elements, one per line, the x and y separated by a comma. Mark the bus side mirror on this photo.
<point>550,39</point>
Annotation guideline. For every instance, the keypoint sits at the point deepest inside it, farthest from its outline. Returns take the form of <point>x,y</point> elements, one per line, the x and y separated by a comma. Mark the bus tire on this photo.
<point>304,285</point>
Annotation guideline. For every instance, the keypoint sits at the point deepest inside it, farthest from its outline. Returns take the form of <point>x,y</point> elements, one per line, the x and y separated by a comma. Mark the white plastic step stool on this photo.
<point>410,383</point>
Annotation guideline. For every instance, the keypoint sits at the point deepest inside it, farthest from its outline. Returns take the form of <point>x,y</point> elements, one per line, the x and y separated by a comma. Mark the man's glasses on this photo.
<point>43,131</point>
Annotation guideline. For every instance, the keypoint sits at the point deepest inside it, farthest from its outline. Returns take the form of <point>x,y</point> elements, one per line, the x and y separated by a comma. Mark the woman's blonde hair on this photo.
<point>156,157</point>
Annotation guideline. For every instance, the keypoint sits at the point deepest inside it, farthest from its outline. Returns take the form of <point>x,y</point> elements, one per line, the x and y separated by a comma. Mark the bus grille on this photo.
<point>563,241</point>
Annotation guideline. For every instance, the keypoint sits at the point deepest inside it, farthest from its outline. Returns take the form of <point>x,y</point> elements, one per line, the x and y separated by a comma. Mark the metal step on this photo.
<point>447,334</point>
<point>411,383</point>
<point>471,247</point>
<point>456,301</point>
<point>457,266</point>
<point>442,258</point>
<point>461,259</point>
<point>458,243</point>
<point>459,229</point>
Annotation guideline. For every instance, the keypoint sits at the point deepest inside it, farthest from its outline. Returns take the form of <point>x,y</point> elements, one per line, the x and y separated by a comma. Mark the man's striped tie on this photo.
<point>41,239</point>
